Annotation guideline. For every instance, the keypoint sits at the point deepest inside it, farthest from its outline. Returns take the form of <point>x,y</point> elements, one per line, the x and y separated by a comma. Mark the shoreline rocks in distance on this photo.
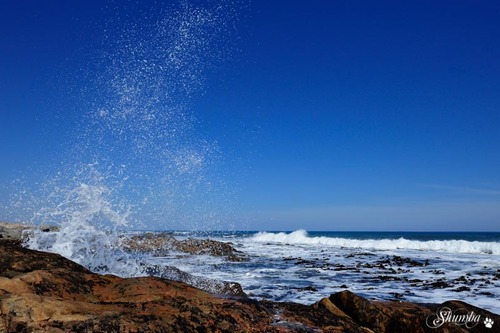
<point>17,231</point>
<point>163,243</point>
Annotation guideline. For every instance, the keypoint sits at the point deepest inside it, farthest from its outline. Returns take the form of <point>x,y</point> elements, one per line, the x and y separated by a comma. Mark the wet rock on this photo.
<point>400,316</point>
<point>44,292</point>
<point>397,295</point>
<point>210,247</point>
<point>12,230</point>
<point>155,243</point>
<point>359,254</point>
<point>163,243</point>
<point>19,231</point>
<point>308,288</point>
<point>209,285</point>
<point>439,284</point>
<point>388,278</point>
<point>399,261</point>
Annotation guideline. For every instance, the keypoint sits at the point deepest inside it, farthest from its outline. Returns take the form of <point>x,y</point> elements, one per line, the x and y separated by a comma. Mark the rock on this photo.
<point>156,243</point>
<point>210,247</point>
<point>146,243</point>
<point>12,230</point>
<point>401,316</point>
<point>206,284</point>
<point>18,231</point>
<point>164,243</point>
<point>44,292</point>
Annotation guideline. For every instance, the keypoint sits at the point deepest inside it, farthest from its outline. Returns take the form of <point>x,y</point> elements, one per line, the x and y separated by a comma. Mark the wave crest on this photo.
<point>452,246</point>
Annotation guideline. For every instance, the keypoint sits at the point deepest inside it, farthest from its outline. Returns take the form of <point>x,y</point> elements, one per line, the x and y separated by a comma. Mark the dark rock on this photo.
<point>164,243</point>
<point>156,243</point>
<point>440,284</point>
<point>44,292</point>
<point>206,284</point>
<point>401,316</point>
<point>308,288</point>
<point>211,247</point>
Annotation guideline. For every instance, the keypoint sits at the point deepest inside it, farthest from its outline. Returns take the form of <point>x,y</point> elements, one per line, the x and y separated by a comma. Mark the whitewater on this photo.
<point>138,163</point>
<point>450,245</point>
<point>304,267</point>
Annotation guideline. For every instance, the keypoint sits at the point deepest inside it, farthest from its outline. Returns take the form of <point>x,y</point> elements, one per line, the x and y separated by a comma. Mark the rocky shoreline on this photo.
<point>44,292</point>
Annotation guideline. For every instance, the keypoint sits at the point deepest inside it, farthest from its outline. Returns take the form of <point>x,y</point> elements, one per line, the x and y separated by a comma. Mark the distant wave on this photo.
<point>453,246</point>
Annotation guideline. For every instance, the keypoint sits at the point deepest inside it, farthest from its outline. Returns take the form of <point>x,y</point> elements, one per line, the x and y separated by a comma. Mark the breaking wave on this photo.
<point>301,237</point>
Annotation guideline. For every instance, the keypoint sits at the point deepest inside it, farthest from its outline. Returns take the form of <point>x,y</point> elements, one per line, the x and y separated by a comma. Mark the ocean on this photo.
<point>303,267</point>
<point>137,156</point>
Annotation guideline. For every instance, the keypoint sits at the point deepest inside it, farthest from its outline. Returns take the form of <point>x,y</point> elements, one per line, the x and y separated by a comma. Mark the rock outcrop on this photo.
<point>44,292</point>
<point>11,230</point>
<point>164,243</point>
<point>16,231</point>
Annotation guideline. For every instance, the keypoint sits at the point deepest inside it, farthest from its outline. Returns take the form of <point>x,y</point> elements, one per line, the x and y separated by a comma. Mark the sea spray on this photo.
<point>152,66</point>
<point>89,218</point>
<point>136,160</point>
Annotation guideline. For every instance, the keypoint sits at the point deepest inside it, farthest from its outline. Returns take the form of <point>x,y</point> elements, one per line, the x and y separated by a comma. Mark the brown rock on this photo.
<point>203,283</point>
<point>65,296</point>
<point>387,316</point>
<point>18,231</point>
<point>12,230</point>
<point>210,247</point>
<point>43,292</point>
<point>163,243</point>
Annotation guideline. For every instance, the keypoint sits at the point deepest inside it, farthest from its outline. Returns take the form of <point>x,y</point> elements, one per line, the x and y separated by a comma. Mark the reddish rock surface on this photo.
<point>44,292</point>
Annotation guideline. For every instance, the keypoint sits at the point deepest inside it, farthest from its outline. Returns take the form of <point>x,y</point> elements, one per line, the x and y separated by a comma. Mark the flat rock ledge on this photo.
<point>44,292</point>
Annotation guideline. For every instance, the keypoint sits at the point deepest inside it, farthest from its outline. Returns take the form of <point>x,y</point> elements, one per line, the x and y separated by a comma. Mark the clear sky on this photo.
<point>328,115</point>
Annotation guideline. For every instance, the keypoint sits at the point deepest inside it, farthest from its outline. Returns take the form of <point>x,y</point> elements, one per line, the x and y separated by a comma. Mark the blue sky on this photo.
<point>329,115</point>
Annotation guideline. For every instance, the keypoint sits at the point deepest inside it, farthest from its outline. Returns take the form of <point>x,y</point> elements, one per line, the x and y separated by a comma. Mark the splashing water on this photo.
<point>136,161</point>
<point>88,219</point>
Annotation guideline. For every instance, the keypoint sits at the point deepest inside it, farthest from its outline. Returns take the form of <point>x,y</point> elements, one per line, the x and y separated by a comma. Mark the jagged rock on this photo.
<point>44,292</point>
<point>162,243</point>
<point>17,231</point>
<point>211,247</point>
<point>12,230</point>
<point>401,316</point>
<point>206,284</point>
<point>156,243</point>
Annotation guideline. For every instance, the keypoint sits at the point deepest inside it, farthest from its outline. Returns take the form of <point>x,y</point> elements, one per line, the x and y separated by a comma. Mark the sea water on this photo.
<point>137,159</point>
<point>134,158</point>
<point>305,266</point>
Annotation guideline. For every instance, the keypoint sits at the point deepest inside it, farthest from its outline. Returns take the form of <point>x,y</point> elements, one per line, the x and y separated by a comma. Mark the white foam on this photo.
<point>88,219</point>
<point>301,237</point>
